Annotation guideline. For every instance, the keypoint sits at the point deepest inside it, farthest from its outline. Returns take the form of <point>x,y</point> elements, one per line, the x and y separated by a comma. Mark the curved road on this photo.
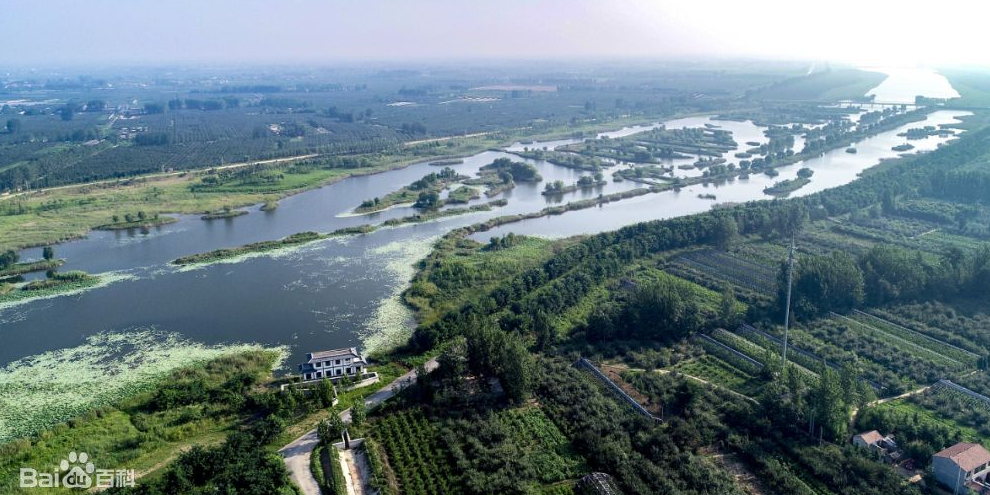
<point>297,454</point>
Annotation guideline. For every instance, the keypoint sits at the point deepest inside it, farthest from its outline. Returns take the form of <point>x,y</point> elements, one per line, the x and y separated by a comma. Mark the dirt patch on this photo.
<point>614,373</point>
<point>743,477</point>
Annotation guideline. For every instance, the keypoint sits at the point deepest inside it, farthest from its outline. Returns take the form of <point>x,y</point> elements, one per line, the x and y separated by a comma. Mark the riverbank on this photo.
<point>37,218</point>
<point>302,238</point>
<point>32,266</point>
<point>58,284</point>
<point>142,420</point>
<point>138,224</point>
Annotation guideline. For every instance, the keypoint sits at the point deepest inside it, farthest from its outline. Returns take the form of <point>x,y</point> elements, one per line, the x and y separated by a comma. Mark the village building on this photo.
<point>963,468</point>
<point>333,364</point>
<point>884,446</point>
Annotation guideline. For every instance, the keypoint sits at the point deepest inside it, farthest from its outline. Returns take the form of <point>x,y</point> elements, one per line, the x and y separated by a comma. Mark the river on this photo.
<point>345,291</point>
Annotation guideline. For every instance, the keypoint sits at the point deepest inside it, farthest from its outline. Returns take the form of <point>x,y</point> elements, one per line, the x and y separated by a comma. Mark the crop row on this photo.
<point>935,345</point>
<point>420,463</point>
<point>919,351</point>
<point>730,355</point>
<point>715,370</point>
<point>737,270</point>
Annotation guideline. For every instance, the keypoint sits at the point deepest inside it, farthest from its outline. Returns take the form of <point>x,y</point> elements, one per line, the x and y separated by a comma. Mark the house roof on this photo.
<point>333,353</point>
<point>967,456</point>
<point>870,437</point>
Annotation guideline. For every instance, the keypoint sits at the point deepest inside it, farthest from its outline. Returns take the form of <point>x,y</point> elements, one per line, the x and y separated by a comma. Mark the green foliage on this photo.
<point>831,282</point>
<point>414,451</point>
<point>330,430</point>
<point>8,258</point>
<point>382,478</point>
<point>325,392</point>
<point>359,413</point>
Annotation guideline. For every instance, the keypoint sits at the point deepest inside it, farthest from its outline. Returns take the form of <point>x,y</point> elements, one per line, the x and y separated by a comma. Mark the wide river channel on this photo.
<point>345,291</point>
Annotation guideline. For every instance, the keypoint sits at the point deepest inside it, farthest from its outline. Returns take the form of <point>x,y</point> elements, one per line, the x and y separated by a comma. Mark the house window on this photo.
<point>319,364</point>
<point>348,371</point>
<point>338,361</point>
<point>338,371</point>
<point>319,374</point>
<point>326,363</point>
<point>308,376</point>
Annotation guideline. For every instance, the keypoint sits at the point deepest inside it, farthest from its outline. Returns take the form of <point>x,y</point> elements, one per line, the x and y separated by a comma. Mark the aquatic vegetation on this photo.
<point>391,322</point>
<point>38,392</point>
<point>72,287</point>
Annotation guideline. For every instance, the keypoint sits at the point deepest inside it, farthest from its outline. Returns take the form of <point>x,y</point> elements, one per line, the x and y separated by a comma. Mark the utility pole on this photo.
<point>787,310</point>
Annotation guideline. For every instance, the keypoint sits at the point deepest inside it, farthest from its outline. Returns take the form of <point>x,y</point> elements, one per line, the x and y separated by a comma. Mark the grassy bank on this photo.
<point>156,221</point>
<point>58,284</point>
<point>60,214</point>
<point>139,420</point>
<point>33,266</point>
<point>307,237</point>
<point>257,247</point>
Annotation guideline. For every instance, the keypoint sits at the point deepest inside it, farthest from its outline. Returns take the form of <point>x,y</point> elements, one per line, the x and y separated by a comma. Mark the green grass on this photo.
<point>34,266</point>
<point>49,288</point>
<point>905,406</point>
<point>719,372</point>
<point>128,433</point>
<point>460,269</point>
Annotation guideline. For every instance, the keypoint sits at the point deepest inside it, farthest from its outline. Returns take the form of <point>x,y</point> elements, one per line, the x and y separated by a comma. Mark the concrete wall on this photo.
<point>949,474</point>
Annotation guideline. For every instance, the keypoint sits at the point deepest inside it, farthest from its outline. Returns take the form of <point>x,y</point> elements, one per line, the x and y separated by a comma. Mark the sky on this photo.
<point>147,32</point>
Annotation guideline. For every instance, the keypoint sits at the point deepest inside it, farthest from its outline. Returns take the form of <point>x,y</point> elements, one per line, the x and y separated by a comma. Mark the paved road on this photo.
<point>297,454</point>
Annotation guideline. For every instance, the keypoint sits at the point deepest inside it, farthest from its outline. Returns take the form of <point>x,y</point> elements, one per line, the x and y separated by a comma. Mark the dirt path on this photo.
<point>356,469</point>
<point>296,454</point>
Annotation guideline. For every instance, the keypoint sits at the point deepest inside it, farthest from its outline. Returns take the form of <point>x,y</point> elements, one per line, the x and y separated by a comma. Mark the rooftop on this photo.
<point>871,437</point>
<point>333,353</point>
<point>967,456</point>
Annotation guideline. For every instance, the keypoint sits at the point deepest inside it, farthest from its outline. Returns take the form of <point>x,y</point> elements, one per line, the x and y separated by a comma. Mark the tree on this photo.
<point>728,313</point>
<point>663,310</point>
<point>427,200</point>
<point>891,273</point>
<point>325,393</point>
<point>453,360</point>
<point>516,369</point>
<point>545,333</point>
<point>825,283</point>
<point>48,253</point>
<point>13,125</point>
<point>830,410</point>
<point>330,430</point>
<point>359,413</point>
<point>725,233</point>
<point>8,258</point>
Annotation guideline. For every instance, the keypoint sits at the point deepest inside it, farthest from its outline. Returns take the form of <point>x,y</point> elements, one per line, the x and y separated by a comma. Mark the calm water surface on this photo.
<point>343,292</point>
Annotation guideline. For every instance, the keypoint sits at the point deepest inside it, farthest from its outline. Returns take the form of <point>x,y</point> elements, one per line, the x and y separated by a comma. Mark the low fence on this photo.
<point>976,396</point>
<point>588,365</point>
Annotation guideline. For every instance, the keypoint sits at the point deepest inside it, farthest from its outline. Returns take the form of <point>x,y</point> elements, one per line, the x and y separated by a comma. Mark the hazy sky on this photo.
<point>41,32</point>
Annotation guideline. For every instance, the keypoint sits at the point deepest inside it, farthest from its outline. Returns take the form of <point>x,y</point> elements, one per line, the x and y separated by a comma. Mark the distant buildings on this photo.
<point>333,364</point>
<point>963,468</point>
